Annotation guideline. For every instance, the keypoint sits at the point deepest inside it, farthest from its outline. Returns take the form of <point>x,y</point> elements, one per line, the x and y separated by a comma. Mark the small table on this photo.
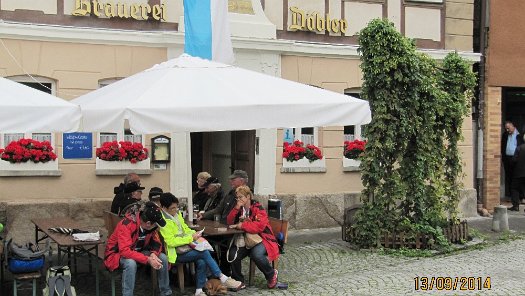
<point>66,243</point>
<point>220,235</point>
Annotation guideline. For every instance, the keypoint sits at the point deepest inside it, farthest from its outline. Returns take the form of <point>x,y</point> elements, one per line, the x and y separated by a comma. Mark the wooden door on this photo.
<point>243,153</point>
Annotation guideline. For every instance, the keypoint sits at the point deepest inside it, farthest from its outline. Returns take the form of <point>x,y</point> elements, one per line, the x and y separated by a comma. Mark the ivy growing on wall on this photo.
<point>411,170</point>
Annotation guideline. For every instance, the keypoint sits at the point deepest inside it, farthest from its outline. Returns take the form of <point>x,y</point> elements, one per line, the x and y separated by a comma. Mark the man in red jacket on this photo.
<point>136,240</point>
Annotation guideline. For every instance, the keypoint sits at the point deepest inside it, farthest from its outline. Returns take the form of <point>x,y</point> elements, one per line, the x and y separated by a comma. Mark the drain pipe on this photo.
<point>483,35</point>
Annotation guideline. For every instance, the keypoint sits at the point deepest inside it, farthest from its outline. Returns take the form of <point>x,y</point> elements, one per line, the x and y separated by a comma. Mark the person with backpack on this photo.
<point>136,241</point>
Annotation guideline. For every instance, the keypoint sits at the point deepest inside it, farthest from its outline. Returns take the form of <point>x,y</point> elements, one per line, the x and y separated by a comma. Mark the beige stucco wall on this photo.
<point>337,75</point>
<point>76,69</point>
<point>459,25</point>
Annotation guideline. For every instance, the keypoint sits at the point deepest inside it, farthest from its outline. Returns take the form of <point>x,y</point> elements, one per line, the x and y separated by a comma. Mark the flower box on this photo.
<point>123,167</point>
<point>303,165</point>
<point>350,165</point>
<point>29,169</point>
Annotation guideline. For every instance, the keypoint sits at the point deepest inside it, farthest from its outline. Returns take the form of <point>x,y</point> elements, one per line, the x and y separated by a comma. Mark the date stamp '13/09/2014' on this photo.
<point>447,283</point>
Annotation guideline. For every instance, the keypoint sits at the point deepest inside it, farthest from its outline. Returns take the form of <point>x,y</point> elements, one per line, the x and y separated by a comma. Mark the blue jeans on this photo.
<point>258,254</point>
<point>203,260</point>
<point>129,269</point>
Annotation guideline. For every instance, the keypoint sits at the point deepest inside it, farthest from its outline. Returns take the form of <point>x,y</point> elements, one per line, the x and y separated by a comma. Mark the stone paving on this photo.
<point>330,267</point>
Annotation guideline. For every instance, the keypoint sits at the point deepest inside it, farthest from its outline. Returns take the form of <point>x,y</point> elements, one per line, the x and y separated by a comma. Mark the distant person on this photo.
<point>199,199</point>
<point>215,194</point>
<point>176,234</point>
<point>132,195</point>
<point>509,141</point>
<point>154,195</point>
<point>119,191</point>
<point>250,216</point>
<point>518,177</point>
<point>136,241</point>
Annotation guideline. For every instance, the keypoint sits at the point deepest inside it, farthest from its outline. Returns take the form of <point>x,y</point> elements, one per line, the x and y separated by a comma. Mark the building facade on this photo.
<point>503,88</point>
<point>72,47</point>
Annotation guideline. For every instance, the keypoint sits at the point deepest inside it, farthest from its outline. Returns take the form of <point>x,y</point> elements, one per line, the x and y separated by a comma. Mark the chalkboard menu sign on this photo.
<point>78,145</point>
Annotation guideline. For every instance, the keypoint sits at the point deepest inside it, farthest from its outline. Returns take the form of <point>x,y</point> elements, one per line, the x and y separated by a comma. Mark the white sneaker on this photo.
<point>232,284</point>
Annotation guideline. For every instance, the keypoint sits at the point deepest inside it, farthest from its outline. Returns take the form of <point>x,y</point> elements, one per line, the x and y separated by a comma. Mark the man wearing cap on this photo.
<point>154,195</point>
<point>120,191</point>
<point>238,178</point>
<point>132,194</point>
<point>137,241</point>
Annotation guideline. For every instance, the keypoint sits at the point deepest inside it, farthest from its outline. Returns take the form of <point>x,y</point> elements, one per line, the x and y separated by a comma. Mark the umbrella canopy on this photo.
<point>25,109</point>
<point>189,94</point>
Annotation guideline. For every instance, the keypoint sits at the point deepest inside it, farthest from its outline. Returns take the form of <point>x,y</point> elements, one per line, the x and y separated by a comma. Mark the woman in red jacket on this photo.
<point>250,216</point>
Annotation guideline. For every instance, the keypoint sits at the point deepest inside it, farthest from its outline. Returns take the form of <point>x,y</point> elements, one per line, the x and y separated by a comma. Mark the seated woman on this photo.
<point>250,216</point>
<point>176,233</point>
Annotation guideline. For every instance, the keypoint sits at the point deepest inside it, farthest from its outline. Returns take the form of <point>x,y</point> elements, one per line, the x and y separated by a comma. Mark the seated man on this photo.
<point>132,194</point>
<point>119,191</point>
<point>137,241</point>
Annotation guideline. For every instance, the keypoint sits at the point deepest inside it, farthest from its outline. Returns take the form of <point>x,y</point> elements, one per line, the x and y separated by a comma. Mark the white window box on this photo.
<point>351,165</point>
<point>304,165</point>
<point>29,168</point>
<point>104,167</point>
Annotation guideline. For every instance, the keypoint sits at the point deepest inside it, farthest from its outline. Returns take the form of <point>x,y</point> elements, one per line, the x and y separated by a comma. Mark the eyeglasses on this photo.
<point>240,197</point>
<point>173,208</point>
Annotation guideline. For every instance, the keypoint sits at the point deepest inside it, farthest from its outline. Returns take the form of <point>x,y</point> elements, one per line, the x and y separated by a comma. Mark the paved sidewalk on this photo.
<point>318,262</point>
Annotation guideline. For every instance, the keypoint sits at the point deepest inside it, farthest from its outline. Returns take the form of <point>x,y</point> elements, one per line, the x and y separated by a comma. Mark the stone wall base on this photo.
<point>303,211</point>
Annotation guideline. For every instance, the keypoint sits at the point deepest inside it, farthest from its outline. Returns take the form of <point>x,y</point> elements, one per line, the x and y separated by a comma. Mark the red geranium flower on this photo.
<point>124,150</point>
<point>296,151</point>
<point>25,150</point>
<point>354,149</point>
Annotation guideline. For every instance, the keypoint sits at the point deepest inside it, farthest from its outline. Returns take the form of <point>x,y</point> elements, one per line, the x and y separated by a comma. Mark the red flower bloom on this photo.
<point>354,149</point>
<point>124,150</point>
<point>296,151</point>
<point>24,150</point>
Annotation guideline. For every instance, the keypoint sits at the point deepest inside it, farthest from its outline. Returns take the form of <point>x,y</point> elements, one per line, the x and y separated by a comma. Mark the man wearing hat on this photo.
<point>238,178</point>
<point>119,190</point>
<point>132,194</point>
<point>154,195</point>
<point>137,241</point>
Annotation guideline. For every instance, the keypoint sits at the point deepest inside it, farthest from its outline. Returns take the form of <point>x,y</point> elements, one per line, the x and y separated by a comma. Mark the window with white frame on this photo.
<point>43,84</point>
<point>307,135</point>
<point>352,132</point>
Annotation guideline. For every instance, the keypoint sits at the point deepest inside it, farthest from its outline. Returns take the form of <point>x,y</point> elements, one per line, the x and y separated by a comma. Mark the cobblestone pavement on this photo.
<point>332,268</point>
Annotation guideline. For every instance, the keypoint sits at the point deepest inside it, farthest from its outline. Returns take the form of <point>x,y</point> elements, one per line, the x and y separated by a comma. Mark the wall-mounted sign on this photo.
<point>109,9</point>
<point>160,149</point>
<point>315,22</point>
<point>77,145</point>
<point>288,135</point>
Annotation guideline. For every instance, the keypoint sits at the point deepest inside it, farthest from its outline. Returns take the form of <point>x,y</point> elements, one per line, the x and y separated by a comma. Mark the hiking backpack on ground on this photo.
<point>58,282</point>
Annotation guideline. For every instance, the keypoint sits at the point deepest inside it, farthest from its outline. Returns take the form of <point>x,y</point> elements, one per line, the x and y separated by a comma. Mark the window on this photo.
<point>307,135</point>
<point>107,137</point>
<point>352,132</point>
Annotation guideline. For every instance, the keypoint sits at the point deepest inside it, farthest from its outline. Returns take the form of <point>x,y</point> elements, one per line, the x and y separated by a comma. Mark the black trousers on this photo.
<point>518,186</point>
<point>508,166</point>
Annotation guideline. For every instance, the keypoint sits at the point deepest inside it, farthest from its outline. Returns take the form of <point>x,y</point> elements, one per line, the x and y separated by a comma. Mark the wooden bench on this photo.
<point>277,226</point>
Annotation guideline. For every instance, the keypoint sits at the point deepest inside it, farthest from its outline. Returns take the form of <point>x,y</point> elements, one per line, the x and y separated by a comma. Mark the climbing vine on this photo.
<point>412,167</point>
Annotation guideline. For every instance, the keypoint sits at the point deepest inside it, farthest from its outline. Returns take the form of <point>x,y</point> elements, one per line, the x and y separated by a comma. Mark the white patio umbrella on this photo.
<point>25,109</point>
<point>189,94</point>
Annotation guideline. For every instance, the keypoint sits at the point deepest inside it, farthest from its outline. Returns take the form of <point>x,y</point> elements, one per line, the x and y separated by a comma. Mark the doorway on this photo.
<point>513,109</point>
<point>220,153</point>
